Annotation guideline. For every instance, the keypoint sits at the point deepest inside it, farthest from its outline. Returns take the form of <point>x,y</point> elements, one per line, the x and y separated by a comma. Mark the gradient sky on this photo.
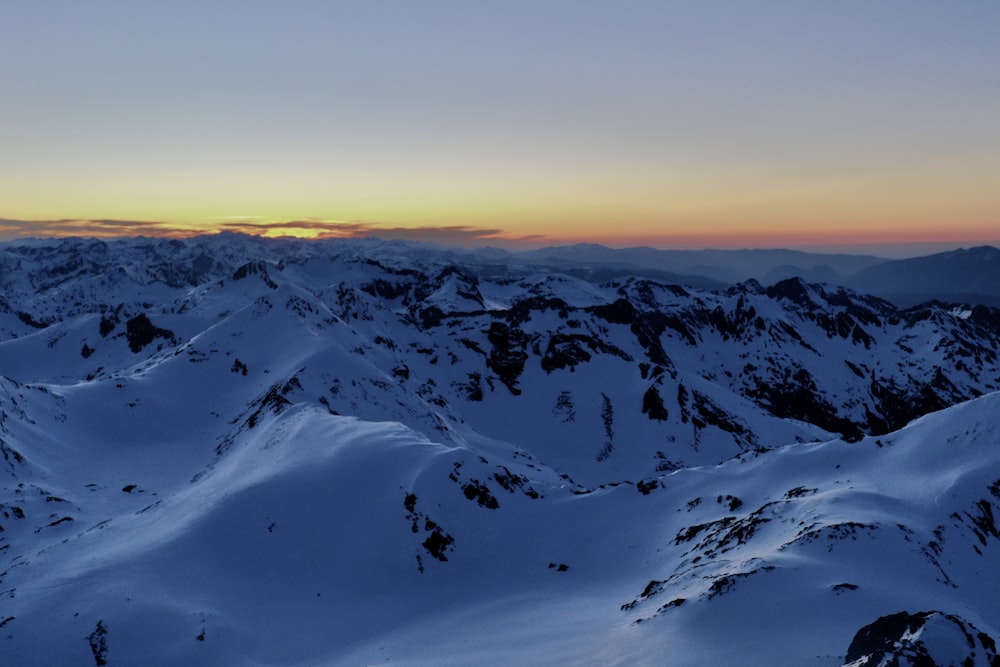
<point>673,124</point>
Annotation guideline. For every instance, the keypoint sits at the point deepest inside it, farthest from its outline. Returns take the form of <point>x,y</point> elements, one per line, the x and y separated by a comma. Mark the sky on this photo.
<point>847,124</point>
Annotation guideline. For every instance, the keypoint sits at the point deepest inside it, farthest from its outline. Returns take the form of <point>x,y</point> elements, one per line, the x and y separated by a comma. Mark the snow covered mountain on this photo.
<point>966,275</point>
<point>229,450</point>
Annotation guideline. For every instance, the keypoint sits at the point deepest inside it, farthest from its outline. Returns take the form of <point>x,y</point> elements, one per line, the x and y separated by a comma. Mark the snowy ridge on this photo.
<point>226,450</point>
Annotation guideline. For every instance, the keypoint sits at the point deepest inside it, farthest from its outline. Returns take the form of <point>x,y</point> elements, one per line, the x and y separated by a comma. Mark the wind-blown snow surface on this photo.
<point>233,451</point>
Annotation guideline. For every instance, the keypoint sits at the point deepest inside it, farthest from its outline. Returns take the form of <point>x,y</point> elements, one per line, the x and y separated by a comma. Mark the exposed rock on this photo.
<point>924,639</point>
<point>508,356</point>
<point>255,268</point>
<point>652,405</point>
<point>98,641</point>
<point>140,332</point>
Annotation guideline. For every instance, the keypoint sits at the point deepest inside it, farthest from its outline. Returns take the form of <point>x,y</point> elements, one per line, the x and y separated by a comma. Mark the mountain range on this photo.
<point>966,275</point>
<point>233,450</point>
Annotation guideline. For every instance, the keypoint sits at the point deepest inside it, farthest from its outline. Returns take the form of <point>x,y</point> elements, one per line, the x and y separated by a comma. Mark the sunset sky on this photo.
<point>671,124</point>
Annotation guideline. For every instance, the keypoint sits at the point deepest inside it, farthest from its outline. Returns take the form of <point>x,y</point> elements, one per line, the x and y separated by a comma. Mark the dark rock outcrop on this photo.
<point>924,639</point>
<point>140,332</point>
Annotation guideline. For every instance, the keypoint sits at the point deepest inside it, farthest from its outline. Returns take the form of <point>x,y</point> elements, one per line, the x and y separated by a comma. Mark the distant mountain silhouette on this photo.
<point>965,275</point>
<point>727,266</point>
<point>970,276</point>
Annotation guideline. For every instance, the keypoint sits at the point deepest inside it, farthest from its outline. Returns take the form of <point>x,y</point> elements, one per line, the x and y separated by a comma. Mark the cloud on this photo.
<point>11,229</point>
<point>460,235</point>
<point>318,228</point>
<point>445,235</point>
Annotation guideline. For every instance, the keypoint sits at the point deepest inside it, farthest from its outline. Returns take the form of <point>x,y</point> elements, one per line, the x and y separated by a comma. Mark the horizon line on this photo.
<point>471,237</point>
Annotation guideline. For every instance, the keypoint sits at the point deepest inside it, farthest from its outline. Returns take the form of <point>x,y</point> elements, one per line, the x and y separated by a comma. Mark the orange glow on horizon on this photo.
<point>659,236</point>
